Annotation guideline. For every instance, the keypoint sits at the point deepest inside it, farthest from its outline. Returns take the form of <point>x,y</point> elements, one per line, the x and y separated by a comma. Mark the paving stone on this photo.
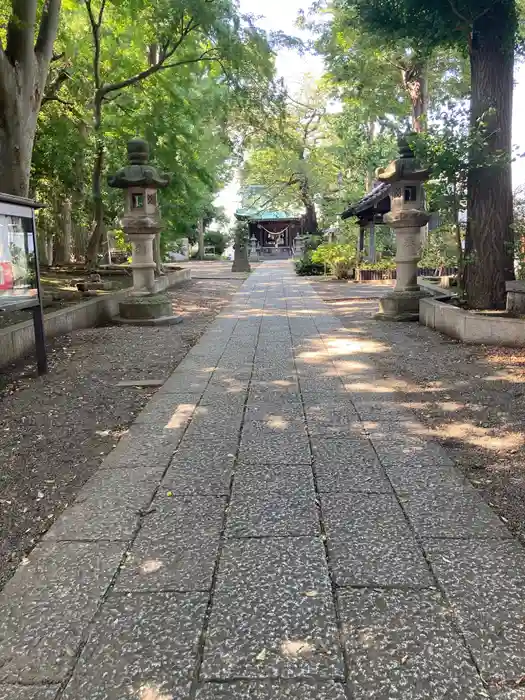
<point>176,547</point>
<point>47,606</point>
<point>192,380</point>
<point>273,613</point>
<point>275,412</point>
<point>344,465</point>
<point>210,423</point>
<point>143,446</point>
<point>382,410</point>
<point>272,690</point>
<point>402,646</point>
<point>109,506</point>
<point>370,543</point>
<point>484,581</point>
<point>234,386</point>
<point>330,417</point>
<point>284,479</point>
<point>457,512</point>
<point>272,515</point>
<point>169,412</point>
<point>323,385</point>
<point>141,646</point>
<point>286,400</point>
<point>400,448</point>
<point>264,448</point>
<point>276,426</point>
<point>202,468</point>
<point>20,692</point>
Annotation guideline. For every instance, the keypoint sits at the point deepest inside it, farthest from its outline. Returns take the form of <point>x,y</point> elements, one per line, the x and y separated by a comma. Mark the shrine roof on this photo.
<point>377,194</point>
<point>258,215</point>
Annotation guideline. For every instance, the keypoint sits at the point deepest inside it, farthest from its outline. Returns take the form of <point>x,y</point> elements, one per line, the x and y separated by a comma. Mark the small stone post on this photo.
<point>253,257</point>
<point>406,217</point>
<point>299,245</point>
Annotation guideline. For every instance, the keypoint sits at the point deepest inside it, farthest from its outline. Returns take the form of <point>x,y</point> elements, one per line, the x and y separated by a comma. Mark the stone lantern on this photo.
<point>141,223</point>
<point>254,256</point>
<point>406,217</point>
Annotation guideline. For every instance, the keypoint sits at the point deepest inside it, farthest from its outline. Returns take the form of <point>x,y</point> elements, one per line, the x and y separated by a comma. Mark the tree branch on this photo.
<point>47,32</point>
<point>21,31</point>
<point>161,64</point>
<point>55,85</point>
<point>95,33</point>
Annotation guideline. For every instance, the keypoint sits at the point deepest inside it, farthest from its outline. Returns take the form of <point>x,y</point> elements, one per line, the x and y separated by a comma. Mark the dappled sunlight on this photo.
<point>294,648</point>
<point>277,423</point>
<point>150,566</point>
<point>481,437</point>
<point>180,416</point>
<point>150,692</point>
<point>344,346</point>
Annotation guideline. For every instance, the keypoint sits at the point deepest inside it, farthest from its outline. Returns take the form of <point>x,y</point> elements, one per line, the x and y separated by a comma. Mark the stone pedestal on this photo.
<point>142,261</point>
<point>406,217</point>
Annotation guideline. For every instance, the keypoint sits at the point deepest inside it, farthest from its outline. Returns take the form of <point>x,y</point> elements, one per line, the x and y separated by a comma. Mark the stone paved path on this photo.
<point>270,530</point>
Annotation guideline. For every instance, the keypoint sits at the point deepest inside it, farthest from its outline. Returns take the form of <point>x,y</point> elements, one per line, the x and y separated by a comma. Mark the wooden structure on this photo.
<point>275,231</point>
<point>370,211</point>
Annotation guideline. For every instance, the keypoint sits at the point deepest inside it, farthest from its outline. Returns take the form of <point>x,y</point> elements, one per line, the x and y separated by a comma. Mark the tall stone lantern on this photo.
<point>406,217</point>
<point>141,223</point>
<point>140,182</point>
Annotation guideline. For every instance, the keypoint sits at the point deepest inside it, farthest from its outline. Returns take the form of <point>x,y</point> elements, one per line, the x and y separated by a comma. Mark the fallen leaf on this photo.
<point>261,655</point>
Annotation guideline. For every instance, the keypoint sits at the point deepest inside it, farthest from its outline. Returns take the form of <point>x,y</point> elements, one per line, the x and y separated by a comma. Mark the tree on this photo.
<point>172,34</point>
<point>24,66</point>
<point>487,30</point>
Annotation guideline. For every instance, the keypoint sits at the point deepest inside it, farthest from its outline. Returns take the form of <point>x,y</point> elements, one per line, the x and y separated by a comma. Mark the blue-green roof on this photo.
<point>264,215</point>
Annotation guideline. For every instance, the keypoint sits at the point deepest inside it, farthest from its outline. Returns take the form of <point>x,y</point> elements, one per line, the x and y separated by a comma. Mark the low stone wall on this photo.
<point>472,327</point>
<point>19,340</point>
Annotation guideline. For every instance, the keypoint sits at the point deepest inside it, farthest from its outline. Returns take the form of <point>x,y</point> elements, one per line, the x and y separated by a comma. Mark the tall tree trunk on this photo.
<point>201,238</point>
<point>63,244</point>
<point>416,85</point>
<point>24,66</point>
<point>97,232</point>
<point>489,259</point>
<point>17,135</point>
<point>310,224</point>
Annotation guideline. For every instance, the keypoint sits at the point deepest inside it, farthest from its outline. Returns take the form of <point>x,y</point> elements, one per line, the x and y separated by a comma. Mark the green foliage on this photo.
<point>339,257</point>
<point>383,264</point>
<point>217,240</point>
<point>305,267</point>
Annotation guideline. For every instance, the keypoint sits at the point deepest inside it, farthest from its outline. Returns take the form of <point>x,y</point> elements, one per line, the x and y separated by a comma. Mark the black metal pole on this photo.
<point>40,339</point>
<point>38,314</point>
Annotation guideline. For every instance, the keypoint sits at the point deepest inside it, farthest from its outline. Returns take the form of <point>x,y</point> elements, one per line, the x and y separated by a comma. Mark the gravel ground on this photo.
<point>470,398</point>
<point>55,430</point>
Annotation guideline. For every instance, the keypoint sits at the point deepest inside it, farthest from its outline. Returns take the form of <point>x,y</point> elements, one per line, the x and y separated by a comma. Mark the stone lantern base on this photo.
<point>147,310</point>
<point>400,306</point>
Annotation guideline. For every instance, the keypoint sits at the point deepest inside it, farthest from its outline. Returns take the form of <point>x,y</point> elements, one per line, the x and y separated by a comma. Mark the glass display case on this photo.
<point>19,271</point>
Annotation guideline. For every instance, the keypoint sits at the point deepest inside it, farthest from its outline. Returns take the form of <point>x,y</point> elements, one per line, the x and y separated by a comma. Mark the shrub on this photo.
<point>384,264</point>
<point>340,257</point>
<point>217,240</point>
<point>304,267</point>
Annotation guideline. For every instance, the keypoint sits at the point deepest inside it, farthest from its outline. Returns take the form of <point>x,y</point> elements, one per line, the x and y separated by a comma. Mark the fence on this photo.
<point>373,275</point>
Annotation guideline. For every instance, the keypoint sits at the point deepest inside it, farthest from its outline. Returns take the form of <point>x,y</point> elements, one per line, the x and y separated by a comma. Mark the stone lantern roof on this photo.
<point>405,167</point>
<point>139,173</point>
